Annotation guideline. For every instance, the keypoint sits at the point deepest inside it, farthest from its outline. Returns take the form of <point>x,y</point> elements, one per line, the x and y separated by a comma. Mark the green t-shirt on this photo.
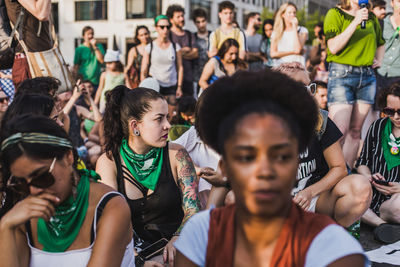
<point>89,66</point>
<point>360,49</point>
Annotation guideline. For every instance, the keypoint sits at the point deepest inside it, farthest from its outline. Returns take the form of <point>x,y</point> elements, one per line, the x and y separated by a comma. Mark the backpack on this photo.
<point>151,50</point>
<point>6,37</point>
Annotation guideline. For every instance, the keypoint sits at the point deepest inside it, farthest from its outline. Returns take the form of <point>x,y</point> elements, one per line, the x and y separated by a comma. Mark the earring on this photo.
<point>136,132</point>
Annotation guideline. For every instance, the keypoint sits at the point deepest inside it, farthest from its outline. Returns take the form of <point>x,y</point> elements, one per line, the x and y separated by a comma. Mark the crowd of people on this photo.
<point>232,147</point>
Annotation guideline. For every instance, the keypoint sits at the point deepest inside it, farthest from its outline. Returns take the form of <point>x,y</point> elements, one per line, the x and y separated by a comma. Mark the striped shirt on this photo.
<point>372,157</point>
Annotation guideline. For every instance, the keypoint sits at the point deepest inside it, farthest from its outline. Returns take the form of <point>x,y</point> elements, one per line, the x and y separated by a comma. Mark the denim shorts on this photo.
<point>348,84</point>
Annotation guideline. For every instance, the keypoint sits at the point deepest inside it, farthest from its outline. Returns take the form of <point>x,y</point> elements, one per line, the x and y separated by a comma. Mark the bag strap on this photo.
<point>221,65</point>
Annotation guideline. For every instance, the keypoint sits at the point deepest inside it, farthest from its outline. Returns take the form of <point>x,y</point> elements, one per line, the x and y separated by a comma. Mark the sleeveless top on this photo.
<point>110,82</point>
<point>76,257</point>
<point>159,214</point>
<point>299,230</point>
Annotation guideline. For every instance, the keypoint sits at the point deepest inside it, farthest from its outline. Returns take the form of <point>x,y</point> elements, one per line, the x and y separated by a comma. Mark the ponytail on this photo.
<point>123,104</point>
<point>112,120</point>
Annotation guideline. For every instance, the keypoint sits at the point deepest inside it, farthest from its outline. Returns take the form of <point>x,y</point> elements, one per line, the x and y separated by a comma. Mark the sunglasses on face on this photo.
<point>162,27</point>
<point>21,186</point>
<point>312,88</point>
<point>3,99</point>
<point>390,111</point>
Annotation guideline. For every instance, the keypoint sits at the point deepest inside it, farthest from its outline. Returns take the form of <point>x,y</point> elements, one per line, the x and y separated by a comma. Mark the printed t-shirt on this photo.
<point>312,165</point>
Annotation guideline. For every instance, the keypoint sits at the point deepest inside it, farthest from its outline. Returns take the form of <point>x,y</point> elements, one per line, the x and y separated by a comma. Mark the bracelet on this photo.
<point>176,234</point>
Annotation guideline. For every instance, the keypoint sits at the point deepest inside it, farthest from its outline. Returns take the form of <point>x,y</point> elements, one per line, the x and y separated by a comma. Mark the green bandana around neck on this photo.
<point>389,142</point>
<point>62,229</point>
<point>145,168</point>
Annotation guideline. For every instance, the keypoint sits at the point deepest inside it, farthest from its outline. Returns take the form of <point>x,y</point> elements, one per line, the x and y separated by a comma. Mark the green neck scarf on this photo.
<point>390,146</point>
<point>145,168</point>
<point>59,233</point>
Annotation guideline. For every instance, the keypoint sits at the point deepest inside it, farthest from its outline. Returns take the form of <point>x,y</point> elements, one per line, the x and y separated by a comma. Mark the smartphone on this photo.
<point>381,182</point>
<point>153,249</point>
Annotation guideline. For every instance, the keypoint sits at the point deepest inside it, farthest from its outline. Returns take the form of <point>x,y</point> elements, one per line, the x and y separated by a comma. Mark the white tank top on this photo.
<point>77,257</point>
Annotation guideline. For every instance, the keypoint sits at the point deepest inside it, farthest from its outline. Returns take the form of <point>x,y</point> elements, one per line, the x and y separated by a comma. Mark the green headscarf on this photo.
<point>145,168</point>
<point>160,17</point>
<point>62,229</point>
<point>389,146</point>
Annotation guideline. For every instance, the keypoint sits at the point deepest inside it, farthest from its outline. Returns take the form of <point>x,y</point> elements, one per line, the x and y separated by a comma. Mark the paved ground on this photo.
<point>369,243</point>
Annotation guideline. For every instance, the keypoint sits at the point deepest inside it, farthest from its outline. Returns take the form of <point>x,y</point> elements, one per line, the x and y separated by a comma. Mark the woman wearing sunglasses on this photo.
<point>323,185</point>
<point>162,60</point>
<point>259,133</point>
<point>380,163</point>
<point>65,218</point>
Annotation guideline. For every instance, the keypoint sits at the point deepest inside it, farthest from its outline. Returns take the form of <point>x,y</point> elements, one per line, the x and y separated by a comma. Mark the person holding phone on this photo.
<point>63,217</point>
<point>353,53</point>
<point>380,163</point>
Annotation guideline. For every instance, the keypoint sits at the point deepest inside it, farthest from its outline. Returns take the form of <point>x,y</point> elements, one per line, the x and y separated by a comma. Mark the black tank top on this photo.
<point>159,214</point>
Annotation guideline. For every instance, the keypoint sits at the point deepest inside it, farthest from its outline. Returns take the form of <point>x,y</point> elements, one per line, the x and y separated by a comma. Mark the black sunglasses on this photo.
<point>390,111</point>
<point>162,27</point>
<point>21,186</point>
<point>4,99</point>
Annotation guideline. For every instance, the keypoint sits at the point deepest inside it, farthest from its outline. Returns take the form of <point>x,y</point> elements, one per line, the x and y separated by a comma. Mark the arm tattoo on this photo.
<point>188,183</point>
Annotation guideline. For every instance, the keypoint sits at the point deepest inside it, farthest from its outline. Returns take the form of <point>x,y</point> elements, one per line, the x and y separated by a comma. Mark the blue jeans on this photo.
<point>348,84</point>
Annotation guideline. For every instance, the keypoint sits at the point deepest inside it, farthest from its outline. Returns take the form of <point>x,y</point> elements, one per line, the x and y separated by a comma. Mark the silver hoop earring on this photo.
<point>136,132</point>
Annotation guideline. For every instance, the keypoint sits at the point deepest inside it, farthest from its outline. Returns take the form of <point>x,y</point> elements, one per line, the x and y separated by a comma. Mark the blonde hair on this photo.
<point>279,23</point>
<point>291,69</point>
<point>344,4</point>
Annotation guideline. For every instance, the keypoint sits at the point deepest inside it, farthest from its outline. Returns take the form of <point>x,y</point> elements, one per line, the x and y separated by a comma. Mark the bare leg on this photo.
<point>353,136</point>
<point>390,209</point>
<point>371,218</point>
<point>347,201</point>
<point>172,105</point>
<point>341,115</point>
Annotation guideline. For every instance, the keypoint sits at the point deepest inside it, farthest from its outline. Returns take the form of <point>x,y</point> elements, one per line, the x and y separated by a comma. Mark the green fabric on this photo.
<point>176,131</point>
<point>111,81</point>
<point>389,141</point>
<point>145,168</point>
<point>35,138</point>
<point>391,60</point>
<point>89,66</point>
<point>62,229</point>
<point>360,49</point>
<point>160,17</point>
<point>88,124</point>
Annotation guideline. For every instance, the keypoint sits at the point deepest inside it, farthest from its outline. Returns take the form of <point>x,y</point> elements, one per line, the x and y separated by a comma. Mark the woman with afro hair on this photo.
<point>259,129</point>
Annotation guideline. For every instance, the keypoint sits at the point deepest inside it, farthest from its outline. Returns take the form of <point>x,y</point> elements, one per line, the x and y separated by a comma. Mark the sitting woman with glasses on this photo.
<point>64,218</point>
<point>379,162</point>
<point>322,182</point>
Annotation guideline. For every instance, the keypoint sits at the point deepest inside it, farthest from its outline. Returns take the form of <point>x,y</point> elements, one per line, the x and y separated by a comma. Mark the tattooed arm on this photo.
<point>186,178</point>
<point>188,183</point>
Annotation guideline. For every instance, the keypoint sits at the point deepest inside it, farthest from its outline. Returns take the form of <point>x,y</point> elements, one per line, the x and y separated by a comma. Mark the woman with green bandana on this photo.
<point>380,162</point>
<point>157,178</point>
<point>64,217</point>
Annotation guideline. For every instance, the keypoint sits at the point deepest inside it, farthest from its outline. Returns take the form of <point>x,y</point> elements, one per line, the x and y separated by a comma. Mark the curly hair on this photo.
<point>172,9</point>
<point>393,89</point>
<point>122,105</point>
<point>265,92</point>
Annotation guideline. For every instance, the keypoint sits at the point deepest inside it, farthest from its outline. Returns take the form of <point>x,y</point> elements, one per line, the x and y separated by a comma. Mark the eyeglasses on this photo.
<point>312,88</point>
<point>390,111</point>
<point>4,99</point>
<point>21,186</point>
<point>162,27</point>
